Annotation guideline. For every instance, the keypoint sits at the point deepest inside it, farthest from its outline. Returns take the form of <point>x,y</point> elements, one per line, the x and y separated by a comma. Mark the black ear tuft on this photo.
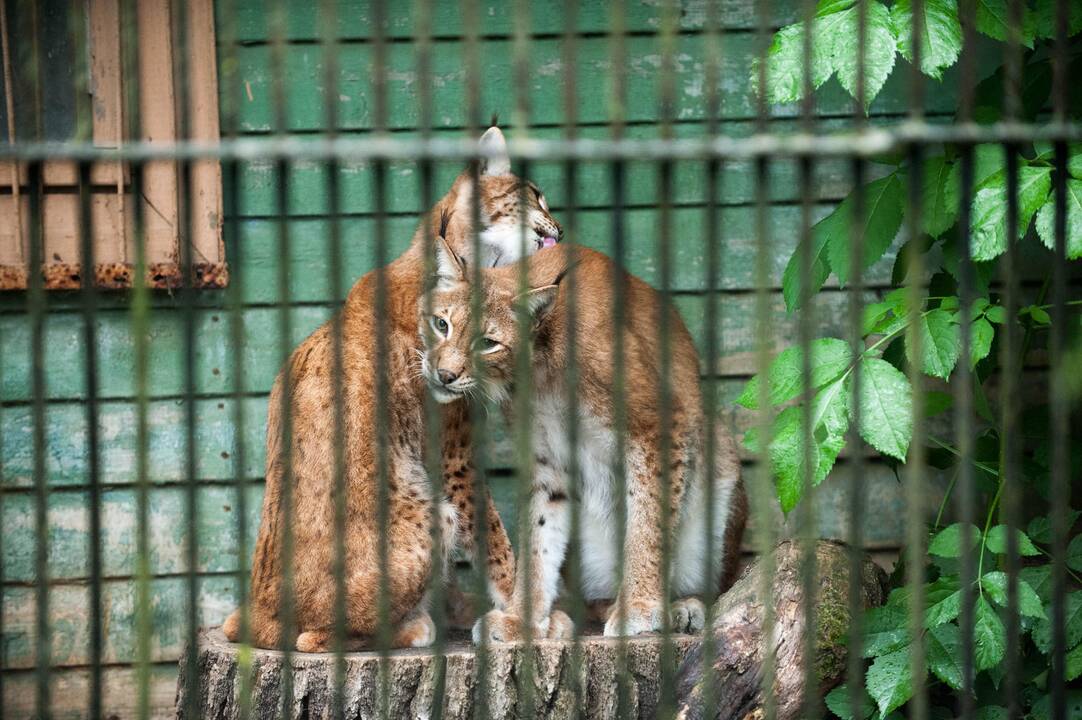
<point>495,120</point>
<point>445,219</point>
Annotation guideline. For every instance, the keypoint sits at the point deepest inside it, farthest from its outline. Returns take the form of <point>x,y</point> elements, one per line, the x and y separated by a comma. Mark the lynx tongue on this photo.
<point>548,242</point>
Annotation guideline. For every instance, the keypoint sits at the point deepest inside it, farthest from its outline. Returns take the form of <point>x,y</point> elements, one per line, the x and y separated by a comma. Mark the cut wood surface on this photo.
<point>561,682</point>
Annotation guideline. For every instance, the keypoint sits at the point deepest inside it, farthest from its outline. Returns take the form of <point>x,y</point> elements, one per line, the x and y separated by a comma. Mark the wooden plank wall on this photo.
<point>251,223</point>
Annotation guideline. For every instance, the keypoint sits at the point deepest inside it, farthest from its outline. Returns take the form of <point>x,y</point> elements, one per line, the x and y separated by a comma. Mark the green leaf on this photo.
<point>882,218</point>
<point>830,357</point>
<point>1072,626</point>
<point>1046,220</point>
<point>996,314</point>
<point>1029,603</point>
<point>838,702</point>
<point>989,635</point>
<point>785,66</point>
<point>787,457</point>
<point>981,334</point>
<point>1074,162</point>
<point>994,20</point>
<point>991,712</point>
<point>1040,528</point>
<point>944,610</point>
<point>940,37</point>
<point>1074,664</point>
<point>997,542</point>
<point>1039,577</point>
<point>940,343</point>
<point>948,542</point>
<point>942,648</point>
<point>830,419</point>
<point>879,50</point>
<point>939,195</point>
<point>889,682</point>
<point>1074,553</point>
<point>1044,20</point>
<point>886,629</point>
<point>989,232</point>
<point>819,269</point>
<point>886,408</point>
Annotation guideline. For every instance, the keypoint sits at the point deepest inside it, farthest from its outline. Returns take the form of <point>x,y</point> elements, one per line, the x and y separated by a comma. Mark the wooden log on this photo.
<point>568,681</point>
<point>733,680</point>
<point>564,685</point>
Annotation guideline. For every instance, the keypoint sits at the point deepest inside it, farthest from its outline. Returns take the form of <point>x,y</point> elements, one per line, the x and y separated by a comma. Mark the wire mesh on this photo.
<point>380,447</point>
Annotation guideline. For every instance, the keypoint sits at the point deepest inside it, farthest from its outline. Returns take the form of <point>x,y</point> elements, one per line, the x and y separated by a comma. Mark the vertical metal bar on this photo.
<point>478,420</point>
<point>287,606</point>
<point>761,496</point>
<point>1059,403</point>
<point>38,309</point>
<point>806,516</point>
<point>617,118</point>
<point>712,345</point>
<point>88,297</point>
<point>181,31</point>
<point>433,457</point>
<point>573,561</point>
<point>379,167</point>
<point>915,466</point>
<point>140,323</point>
<point>77,35</point>
<point>1013,355</point>
<point>523,390</point>
<point>332,170</point>
<point>229,113</point>
<point>855,600</point>
<point>965,378</point>
<point>666,96</point>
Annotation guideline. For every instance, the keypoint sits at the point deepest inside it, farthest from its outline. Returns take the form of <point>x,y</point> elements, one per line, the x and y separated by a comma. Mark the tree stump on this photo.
<point>734,679</point>
<point>567,681</point>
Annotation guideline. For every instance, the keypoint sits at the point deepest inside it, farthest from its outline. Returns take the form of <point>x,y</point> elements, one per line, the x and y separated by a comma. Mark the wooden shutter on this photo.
<point>112,196</point>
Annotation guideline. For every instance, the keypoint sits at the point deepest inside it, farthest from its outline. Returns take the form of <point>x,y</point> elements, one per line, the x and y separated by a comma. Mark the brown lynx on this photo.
<point>311,386</point>
<point>549,511</point>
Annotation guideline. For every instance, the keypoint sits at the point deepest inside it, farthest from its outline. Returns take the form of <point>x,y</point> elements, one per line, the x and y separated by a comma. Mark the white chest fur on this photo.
<point>599,512</point>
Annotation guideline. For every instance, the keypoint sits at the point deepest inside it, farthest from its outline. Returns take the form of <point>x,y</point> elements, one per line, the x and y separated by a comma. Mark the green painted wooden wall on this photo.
<point>251,225</point>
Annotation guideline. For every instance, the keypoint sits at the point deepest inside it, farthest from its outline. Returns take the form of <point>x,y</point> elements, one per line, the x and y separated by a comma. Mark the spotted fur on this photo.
<point>644,458</point>
<point>307,385</point>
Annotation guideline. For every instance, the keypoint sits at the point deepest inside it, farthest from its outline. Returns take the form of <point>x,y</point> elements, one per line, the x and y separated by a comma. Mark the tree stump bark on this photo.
<point>733,680</point>
<point>568,681</point>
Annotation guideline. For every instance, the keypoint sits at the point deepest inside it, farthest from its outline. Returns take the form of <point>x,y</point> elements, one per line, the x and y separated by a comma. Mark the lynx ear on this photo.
<point>494,146</point>
<point>450,268</point>
<point>540,301</point>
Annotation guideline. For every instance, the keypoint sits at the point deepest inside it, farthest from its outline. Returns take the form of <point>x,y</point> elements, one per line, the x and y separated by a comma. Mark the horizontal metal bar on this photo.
<point>870,142</point>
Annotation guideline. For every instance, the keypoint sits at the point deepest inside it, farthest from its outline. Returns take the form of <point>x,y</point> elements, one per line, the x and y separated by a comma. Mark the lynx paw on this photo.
<point>688,615</point>
<point>642,616</point>
<point>500,626</point>
<point>419,631</point>
<point>560,626</point>
<point>314,641</point>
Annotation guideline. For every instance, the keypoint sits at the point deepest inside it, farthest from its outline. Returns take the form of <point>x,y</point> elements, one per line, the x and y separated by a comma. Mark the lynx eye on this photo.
<point>440,325</point>
<point>489,345</point>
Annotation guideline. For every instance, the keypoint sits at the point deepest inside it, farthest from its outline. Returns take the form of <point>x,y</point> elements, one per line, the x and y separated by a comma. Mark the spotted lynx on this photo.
<point>449,376</point>
<point>311,387</point>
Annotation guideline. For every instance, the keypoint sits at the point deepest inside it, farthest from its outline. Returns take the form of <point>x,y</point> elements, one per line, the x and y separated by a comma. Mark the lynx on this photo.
<point>445,368</point>
<point>309,379</point>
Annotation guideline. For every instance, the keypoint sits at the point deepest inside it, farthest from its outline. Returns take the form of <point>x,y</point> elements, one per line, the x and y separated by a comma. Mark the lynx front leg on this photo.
<point>538,575</point>
<point>641,593</point>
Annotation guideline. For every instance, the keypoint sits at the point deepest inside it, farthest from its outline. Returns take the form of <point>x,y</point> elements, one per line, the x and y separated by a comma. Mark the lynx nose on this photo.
<point>446,376</point>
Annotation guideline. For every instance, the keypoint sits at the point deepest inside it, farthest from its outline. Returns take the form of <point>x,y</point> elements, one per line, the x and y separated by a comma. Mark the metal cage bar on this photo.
<point>575,143</point>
